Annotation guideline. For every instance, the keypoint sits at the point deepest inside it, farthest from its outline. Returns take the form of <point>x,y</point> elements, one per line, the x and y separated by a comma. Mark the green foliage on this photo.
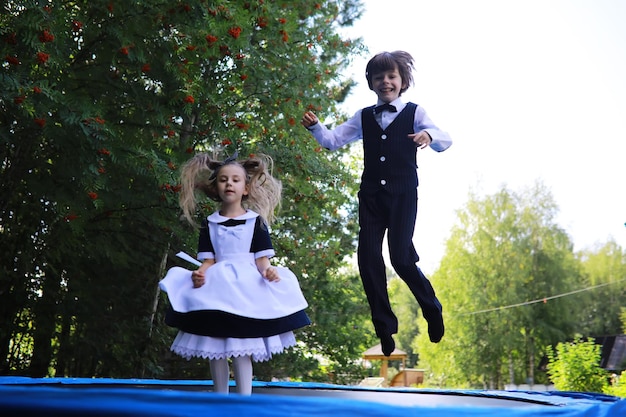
<point>617,386</point>
<point>505,250</point>
<point>605,268</point>
<point>575,366</point>
<point>102,101</point>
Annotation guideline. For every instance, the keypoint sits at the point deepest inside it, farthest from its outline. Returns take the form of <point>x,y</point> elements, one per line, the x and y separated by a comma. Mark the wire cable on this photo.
<point>542,300</point>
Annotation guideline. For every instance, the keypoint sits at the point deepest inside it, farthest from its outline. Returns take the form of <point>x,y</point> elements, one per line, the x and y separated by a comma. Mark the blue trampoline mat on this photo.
<point>21,396</point>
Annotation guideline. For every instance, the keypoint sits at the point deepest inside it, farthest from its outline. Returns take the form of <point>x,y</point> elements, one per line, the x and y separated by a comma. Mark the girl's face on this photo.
<point>387,85</point>
<point>231,184</point>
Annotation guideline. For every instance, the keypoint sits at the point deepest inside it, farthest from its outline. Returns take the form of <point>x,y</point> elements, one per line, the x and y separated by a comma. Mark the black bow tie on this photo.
<point>385,106</point>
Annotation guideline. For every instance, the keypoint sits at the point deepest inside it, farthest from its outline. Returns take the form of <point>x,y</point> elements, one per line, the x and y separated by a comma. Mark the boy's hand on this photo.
<point>309,119</point>
<point>422,139</point>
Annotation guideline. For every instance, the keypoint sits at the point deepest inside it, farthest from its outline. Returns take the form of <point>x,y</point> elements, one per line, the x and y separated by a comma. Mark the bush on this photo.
<point>575,366</point>
<point>618,385</point>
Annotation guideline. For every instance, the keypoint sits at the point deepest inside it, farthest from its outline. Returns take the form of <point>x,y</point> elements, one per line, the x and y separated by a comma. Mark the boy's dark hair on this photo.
<point>386,61</point>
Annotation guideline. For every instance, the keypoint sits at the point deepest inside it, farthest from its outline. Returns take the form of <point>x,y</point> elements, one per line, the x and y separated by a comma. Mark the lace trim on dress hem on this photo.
<point>258,355</point>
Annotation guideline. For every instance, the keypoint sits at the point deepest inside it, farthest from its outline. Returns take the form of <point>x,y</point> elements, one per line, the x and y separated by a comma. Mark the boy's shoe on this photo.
<point>436,329</point>
<point>387,344</point>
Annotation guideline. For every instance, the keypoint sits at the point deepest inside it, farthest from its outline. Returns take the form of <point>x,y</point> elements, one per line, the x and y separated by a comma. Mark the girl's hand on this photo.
<point>309,119</point>
<point>271,274</point>
<point>422,139</point>
<point>197,277</point>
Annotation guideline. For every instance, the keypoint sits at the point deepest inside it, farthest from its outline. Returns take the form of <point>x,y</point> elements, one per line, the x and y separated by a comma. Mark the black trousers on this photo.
<point>382,211</point>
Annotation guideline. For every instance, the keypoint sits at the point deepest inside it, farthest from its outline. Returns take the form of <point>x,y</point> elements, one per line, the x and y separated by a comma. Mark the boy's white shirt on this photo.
<point>352,129</point>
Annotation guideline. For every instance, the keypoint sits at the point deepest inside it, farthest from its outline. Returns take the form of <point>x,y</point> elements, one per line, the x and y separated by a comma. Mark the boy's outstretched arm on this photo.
<point>332,139</point>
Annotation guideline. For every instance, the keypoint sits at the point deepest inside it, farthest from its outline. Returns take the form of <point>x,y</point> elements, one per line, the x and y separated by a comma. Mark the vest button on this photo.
<point>383,182</point>
<point>383,137</point>
<point>382,159</point>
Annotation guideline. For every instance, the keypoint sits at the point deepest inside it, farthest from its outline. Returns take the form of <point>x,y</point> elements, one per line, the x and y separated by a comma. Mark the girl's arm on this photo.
<point>266,269</point>
<point>197,276</point>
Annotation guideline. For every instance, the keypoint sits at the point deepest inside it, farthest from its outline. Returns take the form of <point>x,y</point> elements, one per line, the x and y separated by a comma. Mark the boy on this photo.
<point>392,132</point>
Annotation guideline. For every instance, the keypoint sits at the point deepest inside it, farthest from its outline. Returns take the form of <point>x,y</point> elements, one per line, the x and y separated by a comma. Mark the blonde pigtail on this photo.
<point>265,191</point>
<point>194,176</point>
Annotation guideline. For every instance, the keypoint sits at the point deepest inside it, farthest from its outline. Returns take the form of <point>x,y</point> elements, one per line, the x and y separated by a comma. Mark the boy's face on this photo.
<point>387,85</point>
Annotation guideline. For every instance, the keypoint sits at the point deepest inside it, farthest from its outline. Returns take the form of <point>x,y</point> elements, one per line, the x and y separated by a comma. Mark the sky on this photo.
<point>529,90</point>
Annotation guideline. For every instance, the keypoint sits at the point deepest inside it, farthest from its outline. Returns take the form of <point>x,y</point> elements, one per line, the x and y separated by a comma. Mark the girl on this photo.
<point>236,304</point>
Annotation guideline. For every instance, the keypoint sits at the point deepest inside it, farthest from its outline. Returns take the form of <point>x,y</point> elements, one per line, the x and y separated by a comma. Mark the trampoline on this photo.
<point>21,396</point>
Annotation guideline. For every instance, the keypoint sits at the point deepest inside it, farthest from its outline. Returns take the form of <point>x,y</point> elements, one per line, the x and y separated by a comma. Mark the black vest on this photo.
<point>389,155</point>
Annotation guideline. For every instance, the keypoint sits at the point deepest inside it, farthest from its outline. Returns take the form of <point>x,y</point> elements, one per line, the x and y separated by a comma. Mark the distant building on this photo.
<point>613,355</point>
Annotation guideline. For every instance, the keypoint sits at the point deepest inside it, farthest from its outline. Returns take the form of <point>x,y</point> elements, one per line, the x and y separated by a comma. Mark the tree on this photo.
<point>575,366</point>
<point>605,268</point>
<point>504,260</point>
<point>101,102</point>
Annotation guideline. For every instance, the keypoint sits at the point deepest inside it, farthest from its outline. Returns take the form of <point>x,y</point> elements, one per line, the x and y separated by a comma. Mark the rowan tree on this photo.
<point>102,101</point>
